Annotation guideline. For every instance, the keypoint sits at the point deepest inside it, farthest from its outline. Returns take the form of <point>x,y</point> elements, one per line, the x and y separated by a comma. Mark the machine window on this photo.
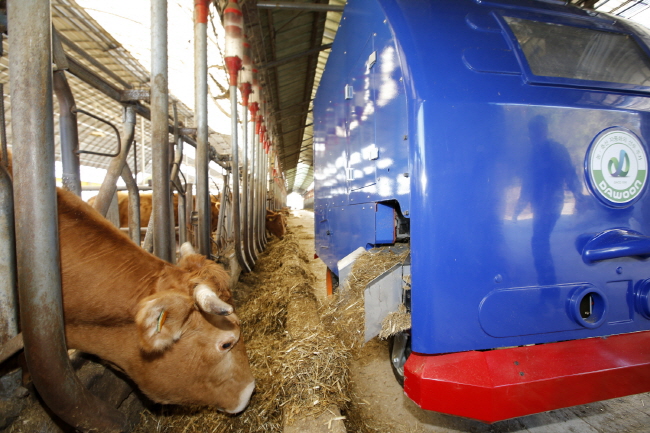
<point>555,50</point>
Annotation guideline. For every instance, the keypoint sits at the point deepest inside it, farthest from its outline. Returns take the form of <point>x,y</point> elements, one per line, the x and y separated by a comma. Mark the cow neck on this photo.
<point>117,345</point>
<point>104,273</point>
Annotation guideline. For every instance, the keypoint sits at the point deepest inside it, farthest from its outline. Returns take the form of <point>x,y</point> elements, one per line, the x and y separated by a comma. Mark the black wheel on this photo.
<point>399,349</point>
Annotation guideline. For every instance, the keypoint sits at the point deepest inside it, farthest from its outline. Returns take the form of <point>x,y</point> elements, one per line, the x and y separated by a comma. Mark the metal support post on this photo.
<point>261,188</point>
<point>71,177</point>
<point>189,207</point>
<point>134,204</point>
<point>201,113</point>
<point>247,209</point>
<point>160,131</point>
<point>222,211</point>
<point>235,181</point>
<point>108,188</point>
<point>261,234</point>
<point>265,160</point>
<point>8,294</point>
<point>254,195</point>
<point>37,240</point>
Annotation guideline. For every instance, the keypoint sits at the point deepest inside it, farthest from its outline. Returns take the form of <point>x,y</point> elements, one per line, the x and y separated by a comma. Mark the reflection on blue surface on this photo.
<point>548,173</point>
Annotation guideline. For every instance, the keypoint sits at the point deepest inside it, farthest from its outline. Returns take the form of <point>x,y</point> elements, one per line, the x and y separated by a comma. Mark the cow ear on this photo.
<point>160,319</point>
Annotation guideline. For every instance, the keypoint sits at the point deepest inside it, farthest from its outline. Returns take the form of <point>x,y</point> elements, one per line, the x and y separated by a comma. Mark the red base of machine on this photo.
<point>500,384</point>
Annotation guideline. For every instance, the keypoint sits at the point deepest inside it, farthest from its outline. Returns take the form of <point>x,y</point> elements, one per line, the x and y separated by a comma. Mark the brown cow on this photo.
<point>146,208</point>
<point>170,328</point>
<point>275,223</point>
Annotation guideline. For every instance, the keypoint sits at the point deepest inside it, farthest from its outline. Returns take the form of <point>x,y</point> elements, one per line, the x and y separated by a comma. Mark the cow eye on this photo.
<point>226,346</point>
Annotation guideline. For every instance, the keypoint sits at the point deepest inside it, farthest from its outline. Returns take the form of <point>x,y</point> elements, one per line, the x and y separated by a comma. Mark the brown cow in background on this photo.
<point>146,208</point>
<point>275,223</point>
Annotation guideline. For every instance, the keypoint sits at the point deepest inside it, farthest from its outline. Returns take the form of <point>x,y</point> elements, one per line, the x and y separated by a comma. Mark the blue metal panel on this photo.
<point>384,224</point>
<point>497,172</point>
<point>351,227</point>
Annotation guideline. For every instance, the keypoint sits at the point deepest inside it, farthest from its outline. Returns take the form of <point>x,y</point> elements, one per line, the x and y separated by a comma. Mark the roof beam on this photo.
<point>300,6</point>
<point>296,56</point>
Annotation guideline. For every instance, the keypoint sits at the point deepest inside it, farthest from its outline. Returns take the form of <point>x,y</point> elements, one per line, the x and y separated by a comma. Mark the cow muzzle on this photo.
<point>244,399</point>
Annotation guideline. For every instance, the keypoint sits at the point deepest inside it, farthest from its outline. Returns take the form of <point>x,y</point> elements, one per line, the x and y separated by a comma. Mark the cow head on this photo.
<point>275,224</point>
<point>191,342</point>
<point>215,206</point>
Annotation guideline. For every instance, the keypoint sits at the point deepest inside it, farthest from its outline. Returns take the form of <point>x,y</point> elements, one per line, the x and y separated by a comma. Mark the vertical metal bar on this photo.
<point>235,181</point>
<point>135,159</point>
<point>8,294</point>
<point>3,126</point>
<point>201,115</point>
<point>246,208</point>
<point>147,245</point>
<point>176,167</point>
<point>37,241</point>
<point>144,151</point>
<point>175,158</point>
<point>189,206</point>
<point>267,187</point>
<point>159,130</point>
<point>71,177</point>
<point>108,188</point>
<point>260,199</point>
<point>260,228</point>
<point>222,211</point>
<point>254,195</point>
<point>134,204</point>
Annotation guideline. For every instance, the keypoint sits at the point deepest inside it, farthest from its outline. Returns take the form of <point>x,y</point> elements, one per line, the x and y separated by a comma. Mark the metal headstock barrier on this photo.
<point>31,259</point>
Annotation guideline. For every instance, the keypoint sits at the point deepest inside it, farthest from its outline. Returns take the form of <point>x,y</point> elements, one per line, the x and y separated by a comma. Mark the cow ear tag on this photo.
<point>161,320</point>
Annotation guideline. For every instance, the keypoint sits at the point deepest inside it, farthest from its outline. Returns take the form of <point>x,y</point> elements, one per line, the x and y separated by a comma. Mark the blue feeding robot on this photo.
<point>504,143</point>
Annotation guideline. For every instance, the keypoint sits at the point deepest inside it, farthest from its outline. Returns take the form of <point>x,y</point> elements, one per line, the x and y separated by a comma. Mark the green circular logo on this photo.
<point>617,166</point>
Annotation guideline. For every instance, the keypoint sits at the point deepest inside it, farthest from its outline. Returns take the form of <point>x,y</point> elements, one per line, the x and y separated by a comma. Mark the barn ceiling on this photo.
<point>290,43</point>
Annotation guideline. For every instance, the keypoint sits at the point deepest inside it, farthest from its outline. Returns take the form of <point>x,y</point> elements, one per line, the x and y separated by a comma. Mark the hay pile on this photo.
<point>395,322</point>
<point>346,314</point>
<point>299,374</point>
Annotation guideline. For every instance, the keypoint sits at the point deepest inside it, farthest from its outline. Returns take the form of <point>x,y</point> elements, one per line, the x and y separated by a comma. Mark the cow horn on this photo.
<point>186,249</point>
<point>209,302</point>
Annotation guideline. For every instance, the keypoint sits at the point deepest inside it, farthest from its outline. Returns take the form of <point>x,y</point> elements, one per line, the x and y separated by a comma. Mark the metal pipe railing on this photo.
<point>69,134</point>
<point>159,131</point>
<point>265,173</point>
<point>201,115</point>
<point>222,211</point>
<point>254,195</point>
<point>260,204</point>
<point>134,204</point>
<point>108,188</point>
<point>261,229</point>
<point>147,244</point>
<point>250,258</point>
<point>260,200</point>
<point>3,127</point>
<point>235,182</point>
<point>8,293</point>
<point>37,241</point>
